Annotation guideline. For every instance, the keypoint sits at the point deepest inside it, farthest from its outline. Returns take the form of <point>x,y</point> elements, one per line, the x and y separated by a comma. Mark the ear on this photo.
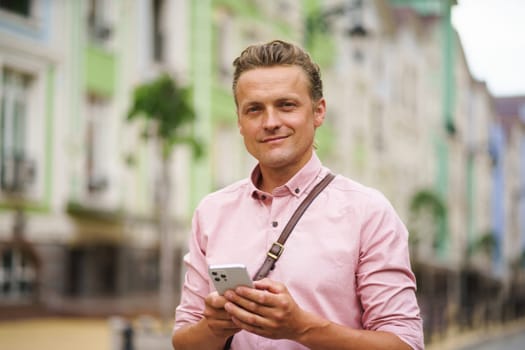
<point>319,112</point>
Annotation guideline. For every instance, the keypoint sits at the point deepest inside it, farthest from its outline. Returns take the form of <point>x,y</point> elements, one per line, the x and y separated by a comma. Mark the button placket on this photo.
<point>276,212</point>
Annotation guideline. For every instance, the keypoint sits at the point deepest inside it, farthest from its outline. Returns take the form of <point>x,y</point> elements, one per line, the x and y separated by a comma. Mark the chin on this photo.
<point>276,162</point>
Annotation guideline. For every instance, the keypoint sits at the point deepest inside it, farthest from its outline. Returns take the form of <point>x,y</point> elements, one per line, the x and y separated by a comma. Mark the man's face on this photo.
<point>277,117</point>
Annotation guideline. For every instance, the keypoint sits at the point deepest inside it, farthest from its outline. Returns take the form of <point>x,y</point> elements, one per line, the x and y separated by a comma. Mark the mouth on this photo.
<point>273,139</point>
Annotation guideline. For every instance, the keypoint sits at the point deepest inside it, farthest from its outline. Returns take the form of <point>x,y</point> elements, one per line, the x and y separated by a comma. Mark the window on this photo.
<point>16,169</point>
<point>158,36</point>
<point>225,46</point>
<point>19,7</point>
<point>521,112</point>
<point>96,144</point>
<point>99,29</point>
<point>92,270</point>
<point>17,275</point>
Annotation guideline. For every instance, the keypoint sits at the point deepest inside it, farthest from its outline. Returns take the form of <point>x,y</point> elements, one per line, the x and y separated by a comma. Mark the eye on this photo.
<point>252,109</point>
<point>287,105</point>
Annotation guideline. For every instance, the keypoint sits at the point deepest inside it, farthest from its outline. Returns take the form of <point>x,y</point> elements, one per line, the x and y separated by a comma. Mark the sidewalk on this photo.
<point>459,341</point>
<point>55,334</point>
<point>101,334</point>
<point>65,333</point>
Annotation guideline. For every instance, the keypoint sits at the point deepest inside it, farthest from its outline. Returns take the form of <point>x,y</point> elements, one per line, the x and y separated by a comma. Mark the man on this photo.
<point>344,279</point>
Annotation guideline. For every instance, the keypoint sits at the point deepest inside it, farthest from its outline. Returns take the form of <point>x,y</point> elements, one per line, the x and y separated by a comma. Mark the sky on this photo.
<point>492,33</point>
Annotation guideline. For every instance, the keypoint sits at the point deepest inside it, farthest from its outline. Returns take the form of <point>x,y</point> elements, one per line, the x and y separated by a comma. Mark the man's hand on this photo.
<point>219,321</point>
<point>267,310</point>
<point>270,311</point>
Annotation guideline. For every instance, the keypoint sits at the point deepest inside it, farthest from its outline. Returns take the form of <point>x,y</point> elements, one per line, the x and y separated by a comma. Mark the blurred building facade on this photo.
<point>405,116</point>
<point>30,54</point>
<point>508,206</point>
<point>508,143</point>
<point>80,178</point>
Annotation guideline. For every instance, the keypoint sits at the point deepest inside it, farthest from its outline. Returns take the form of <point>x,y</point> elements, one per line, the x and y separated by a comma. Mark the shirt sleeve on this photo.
<point>385,282</point>
<point>196,286</point>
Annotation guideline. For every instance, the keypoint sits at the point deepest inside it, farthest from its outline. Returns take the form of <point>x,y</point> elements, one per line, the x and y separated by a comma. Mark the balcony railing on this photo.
<point>17,173</point>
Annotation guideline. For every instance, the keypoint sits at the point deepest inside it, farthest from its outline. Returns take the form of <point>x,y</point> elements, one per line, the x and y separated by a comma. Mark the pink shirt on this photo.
<point>346,260</point>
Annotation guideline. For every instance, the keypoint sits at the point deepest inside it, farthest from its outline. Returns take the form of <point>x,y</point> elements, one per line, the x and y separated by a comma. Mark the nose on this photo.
<point>271,120</point>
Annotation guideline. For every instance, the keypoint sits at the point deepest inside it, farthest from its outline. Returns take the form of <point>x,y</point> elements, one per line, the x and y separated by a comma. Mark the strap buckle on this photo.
<point>276,250</point>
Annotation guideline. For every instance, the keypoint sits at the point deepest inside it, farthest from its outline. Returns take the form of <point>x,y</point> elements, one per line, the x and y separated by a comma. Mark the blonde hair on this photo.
<point>275,53</point>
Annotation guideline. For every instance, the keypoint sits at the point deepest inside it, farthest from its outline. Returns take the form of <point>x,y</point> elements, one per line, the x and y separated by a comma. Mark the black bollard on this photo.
<point>127,336</point>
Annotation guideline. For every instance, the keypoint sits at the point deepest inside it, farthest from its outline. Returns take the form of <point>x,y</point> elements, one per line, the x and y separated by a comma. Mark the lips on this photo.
<point>273,138</point>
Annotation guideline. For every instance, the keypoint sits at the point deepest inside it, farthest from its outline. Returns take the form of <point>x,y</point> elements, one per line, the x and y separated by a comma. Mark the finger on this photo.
<point>270,286</point>
<point>244,318</point>
<point>261,306</point>
<point>215,300</point>
<point>260,297</point>
<point>252,329</point>
<point>216,314</point>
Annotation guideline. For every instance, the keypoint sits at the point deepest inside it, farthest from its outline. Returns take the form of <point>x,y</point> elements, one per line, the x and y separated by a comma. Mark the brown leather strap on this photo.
<point>277,247</point>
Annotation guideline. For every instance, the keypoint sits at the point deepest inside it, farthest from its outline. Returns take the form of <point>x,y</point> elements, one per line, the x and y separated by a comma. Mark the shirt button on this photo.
<point>297,190</point>
<point>263,197</point>
<point>275,223</point>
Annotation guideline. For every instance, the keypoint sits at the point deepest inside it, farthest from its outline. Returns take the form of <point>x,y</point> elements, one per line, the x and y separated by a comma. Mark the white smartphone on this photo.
<point>229,276</point>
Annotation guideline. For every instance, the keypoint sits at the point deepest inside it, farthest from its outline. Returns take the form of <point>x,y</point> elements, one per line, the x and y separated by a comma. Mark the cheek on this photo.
<point>239,126</point>
<point>247,129</point>
<point>242,128</point>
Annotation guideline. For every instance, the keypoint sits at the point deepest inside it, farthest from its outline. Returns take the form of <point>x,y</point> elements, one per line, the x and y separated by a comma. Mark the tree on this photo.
<point>167,111</point>
<point>426,208</point>
<point>486,243</point>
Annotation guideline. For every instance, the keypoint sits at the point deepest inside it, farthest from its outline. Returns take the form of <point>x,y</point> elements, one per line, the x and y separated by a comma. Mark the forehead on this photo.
<point>275,79</point>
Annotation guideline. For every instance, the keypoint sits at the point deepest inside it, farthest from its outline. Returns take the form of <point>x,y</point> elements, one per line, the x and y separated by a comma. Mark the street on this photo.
<point>514,341</point>
<point>508,336</point>
<point>105,334</point>
<point>75,333</point>
<point>55,334</point>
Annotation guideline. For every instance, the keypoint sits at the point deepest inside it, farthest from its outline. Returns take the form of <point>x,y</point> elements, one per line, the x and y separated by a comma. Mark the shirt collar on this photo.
<point>301,181</point>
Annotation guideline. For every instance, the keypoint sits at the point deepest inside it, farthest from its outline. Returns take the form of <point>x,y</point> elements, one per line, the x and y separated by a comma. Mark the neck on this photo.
<point>271,179</point>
